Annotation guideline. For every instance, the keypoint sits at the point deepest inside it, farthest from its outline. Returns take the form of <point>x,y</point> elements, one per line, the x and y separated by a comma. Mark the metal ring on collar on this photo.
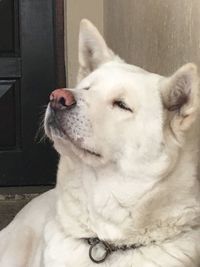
<point>106,248</point>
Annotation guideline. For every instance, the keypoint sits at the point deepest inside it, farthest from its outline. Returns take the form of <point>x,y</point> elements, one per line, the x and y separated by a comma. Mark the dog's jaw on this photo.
<point>57,133</point>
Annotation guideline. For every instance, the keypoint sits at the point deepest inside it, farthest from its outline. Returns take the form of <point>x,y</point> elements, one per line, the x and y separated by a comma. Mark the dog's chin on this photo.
<point>66,146</point>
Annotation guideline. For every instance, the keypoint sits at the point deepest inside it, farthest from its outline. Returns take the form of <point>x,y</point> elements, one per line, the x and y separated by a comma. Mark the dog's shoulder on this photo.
<point>20,240</point>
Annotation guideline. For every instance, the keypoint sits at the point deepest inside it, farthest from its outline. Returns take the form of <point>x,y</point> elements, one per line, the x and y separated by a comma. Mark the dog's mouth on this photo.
<point>91,152</point>
<point>53,128</point>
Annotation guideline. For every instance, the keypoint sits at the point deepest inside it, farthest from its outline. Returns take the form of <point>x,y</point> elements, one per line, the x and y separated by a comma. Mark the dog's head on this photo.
<point>121,113</point>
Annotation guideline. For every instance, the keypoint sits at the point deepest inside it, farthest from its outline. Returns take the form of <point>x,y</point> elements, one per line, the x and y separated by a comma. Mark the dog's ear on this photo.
<point>180,95</point>
<point>93,50</point>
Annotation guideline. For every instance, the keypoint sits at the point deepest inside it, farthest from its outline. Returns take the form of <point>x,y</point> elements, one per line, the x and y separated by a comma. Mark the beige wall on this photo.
<point>159,35</point>
<point>75,10</point>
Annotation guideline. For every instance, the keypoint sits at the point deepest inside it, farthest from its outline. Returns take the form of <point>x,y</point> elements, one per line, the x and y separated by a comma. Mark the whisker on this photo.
<point>40,136</point>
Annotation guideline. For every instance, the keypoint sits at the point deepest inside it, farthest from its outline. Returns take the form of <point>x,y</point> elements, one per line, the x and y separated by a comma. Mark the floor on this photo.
<point>13,199</point>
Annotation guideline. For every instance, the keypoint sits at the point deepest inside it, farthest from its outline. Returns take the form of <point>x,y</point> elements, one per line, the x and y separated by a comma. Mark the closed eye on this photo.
<point>86,88</point>
<point>122,105</point>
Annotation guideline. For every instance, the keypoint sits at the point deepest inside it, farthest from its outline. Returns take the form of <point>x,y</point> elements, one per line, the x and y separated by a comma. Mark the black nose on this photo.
<point>62,99</point>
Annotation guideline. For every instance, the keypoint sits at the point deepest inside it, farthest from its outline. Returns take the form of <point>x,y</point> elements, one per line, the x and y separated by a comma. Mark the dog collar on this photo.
<point>106,249</point>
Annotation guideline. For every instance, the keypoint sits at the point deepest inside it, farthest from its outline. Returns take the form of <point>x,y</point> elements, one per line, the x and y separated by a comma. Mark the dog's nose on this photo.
<point>62,99</point>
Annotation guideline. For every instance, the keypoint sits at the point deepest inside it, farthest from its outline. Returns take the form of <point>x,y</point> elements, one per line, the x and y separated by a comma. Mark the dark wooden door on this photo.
<point>27,75</point>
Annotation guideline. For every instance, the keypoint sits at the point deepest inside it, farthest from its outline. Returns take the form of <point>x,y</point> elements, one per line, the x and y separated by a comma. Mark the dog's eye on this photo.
<point>86,88</point>
<point>121,104</point>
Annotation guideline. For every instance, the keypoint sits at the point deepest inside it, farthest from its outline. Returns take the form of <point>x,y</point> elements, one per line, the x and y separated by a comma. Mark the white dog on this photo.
<point>127,192</point>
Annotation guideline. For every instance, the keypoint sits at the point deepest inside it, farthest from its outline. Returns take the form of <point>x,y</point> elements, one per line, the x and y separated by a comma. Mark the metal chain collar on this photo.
<point>108,249</point>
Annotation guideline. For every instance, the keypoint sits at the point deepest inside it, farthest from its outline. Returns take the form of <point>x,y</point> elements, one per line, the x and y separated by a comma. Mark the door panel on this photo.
<point>9,90</point>
<point>9,42</point>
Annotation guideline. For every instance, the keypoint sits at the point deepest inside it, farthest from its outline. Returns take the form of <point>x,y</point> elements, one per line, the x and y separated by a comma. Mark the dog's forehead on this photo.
<point>117,75</point>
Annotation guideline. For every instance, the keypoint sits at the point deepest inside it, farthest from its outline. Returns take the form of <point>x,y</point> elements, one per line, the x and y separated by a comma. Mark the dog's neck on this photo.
<point>102,202</point>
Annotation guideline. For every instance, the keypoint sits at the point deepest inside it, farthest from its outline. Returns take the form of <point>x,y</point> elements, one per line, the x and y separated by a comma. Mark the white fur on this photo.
<point>142,189</point>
